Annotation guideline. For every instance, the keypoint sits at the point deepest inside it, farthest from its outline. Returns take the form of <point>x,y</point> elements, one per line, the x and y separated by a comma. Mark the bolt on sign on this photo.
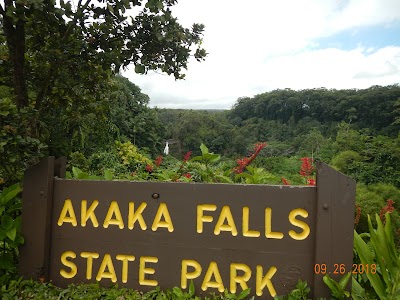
<point>220,236</point>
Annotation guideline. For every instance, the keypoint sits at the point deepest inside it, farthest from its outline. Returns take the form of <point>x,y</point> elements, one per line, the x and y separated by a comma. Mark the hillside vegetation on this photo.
<point>271,138</point>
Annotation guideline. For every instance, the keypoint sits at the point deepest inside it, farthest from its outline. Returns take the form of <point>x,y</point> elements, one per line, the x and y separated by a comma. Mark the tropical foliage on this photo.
<point>61,94</point>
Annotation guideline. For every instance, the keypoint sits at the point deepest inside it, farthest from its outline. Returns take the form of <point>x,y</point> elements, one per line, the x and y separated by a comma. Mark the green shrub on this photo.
<point>347,162</point>
<point>130,155</point>
<point>371,199</point>
<point>107,160</point>
<point>18,148</point>
<point>370,202</point>
<point>78,159</point>
<point>387,191</point>
<point>380,250</point>
<point>10,231</point>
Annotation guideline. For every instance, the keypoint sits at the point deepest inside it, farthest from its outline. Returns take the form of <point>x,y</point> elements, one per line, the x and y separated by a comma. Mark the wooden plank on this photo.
<point>36,222</point>
<point>334,226</point>
<point>60,166</point>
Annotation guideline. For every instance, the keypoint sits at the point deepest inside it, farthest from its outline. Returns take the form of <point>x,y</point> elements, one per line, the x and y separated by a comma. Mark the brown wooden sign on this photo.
<point>220,236</point>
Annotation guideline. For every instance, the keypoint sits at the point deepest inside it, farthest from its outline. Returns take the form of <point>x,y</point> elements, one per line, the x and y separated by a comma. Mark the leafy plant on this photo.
<point>130,155</point>
<point>386,280</point>
<point>256,176</point>
<point>79,174</point>
<point>206,157</point>
<point>299,293</point>
<point>78,159</point>
<point>202,165</point>
<point>357,291</point>
<point>10,233</point>
<point>338,289</point>
<point>230,296</point>
<point>18,150</point>
<point>29,289</point>
<point>100,161</point>
<point>182,295</point>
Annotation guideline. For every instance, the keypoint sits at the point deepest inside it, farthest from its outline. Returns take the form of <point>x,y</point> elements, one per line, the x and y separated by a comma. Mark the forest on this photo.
<point>62,94</point>
<point>280,133</point>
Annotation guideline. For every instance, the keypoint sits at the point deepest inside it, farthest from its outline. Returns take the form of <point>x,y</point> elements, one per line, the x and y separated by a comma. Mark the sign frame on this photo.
<point>331,221</point>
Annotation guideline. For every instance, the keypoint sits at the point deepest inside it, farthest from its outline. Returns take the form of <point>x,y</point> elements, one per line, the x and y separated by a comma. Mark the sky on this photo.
<point>261,45</point>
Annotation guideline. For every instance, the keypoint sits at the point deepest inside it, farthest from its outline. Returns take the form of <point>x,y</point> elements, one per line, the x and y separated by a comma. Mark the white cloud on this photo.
<point>334,68</point>
<point>263,45</point>
<point>366,13</point>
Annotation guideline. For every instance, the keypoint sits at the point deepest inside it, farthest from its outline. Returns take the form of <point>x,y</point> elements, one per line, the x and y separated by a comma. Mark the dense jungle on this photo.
<point>62,93</point>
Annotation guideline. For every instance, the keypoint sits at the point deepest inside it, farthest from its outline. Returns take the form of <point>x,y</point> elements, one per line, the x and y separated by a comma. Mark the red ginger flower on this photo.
<point>158,160</point>
<point>387,208</point>
<point>244,162</point>
<point>311,181</point>
<point>258,147</point>
<point>187,175</point>
<point>285,181</point>
<point>186,157</point>
<point>149,168</point>
<point>306,166</point>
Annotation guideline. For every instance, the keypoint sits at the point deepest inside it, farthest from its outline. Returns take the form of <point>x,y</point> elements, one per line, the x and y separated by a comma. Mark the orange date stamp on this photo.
<point>341,269</point>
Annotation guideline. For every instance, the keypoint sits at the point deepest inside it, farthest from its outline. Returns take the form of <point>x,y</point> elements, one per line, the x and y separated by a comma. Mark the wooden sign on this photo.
<point>220,236</point>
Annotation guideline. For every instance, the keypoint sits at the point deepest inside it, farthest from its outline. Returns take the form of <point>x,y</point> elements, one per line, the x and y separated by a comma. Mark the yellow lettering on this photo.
<point>268,231</point>
<point>89,263</point>
<point>87,214</point>
<point>134,216</point>
<point>184,271</point>
<point>107,264</point>
<point>201,218</point>
<point>125,259</point>
<point>69,264</point>
<point>245,225</point>
<point>213,271</point>
<point>143,271</point>
<point>235,279</point>
<point>292,219</point>
<point>162,212</point>
<point>67,209</point>
<point>261,281</point>
<point>113,210</point>
<point>221,226</point>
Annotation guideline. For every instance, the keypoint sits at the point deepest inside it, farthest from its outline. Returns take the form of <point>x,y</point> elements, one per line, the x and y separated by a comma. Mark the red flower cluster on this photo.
<point>244,162</point>
<point>158,160</point>
<point>306,166</point>
<point>306,170</point>
<point>186,157</point>
<point>311,181</point>
<point>387,208</point>
<point>149,168</point>
<point>285,181</point>
<point>187,175</point>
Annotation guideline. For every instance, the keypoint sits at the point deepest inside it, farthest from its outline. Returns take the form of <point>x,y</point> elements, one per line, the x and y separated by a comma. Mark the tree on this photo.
<point>56,52</point>
<point>58,63</point>
<point>133,118</point>
<point>312,142</point>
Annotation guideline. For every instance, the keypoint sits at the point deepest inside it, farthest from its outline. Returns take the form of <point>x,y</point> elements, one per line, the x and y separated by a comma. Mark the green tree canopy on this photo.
<point>58,61</point>
<point>57,52</point>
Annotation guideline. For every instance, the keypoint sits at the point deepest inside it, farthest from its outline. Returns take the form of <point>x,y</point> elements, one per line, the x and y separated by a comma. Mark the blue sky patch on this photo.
<point>367,37</point>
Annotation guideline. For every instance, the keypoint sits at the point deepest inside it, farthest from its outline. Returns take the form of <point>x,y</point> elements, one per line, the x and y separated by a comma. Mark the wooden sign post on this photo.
<point>220,236</point>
